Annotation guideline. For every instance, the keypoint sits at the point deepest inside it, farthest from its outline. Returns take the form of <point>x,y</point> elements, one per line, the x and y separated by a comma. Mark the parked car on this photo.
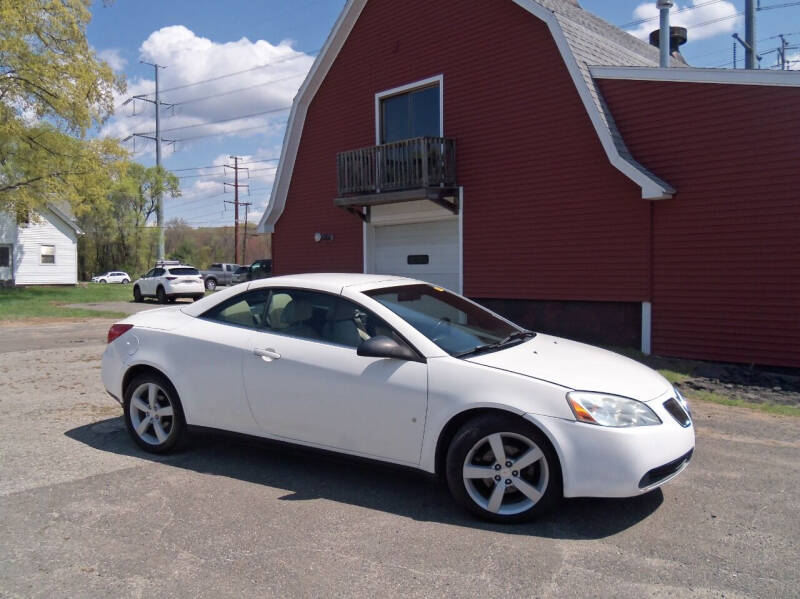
<point>398,370</point>
<point>169,282</point>
<point>113,276</point>
<point>260,269</point>
<point>240,275</point>
<point>219,273</point>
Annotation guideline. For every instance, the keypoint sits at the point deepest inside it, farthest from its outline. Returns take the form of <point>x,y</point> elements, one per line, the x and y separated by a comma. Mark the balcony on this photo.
<point>422,168</point>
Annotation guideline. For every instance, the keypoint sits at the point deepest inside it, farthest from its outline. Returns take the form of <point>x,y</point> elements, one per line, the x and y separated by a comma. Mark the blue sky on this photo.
<point>230,42</point>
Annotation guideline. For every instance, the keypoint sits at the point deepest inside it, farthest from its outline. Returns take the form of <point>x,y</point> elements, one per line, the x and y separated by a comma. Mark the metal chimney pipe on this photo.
<point>663,34</point>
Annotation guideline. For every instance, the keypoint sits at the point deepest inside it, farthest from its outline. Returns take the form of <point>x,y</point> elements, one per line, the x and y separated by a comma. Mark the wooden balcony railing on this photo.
<point>418,163</point>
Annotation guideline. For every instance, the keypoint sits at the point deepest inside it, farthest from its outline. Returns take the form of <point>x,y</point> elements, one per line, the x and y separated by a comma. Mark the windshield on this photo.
<point>453,323</point>
<point>186,270</point>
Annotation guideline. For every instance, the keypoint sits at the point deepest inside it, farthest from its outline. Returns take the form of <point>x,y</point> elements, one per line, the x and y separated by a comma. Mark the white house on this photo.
<point>43,251</point>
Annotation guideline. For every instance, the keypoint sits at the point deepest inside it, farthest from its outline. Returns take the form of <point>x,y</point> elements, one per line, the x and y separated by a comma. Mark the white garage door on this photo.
<point>426,251</point>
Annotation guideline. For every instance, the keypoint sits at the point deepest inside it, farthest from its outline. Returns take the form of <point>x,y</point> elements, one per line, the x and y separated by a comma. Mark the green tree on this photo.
<point>53,91</point>
<point>117,235</point>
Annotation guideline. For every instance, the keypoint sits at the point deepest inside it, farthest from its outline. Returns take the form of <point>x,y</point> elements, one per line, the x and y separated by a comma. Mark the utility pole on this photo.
<point>158,103</point>
<point>244,236</point>
<point>750,50</point>
<point>236,203</point>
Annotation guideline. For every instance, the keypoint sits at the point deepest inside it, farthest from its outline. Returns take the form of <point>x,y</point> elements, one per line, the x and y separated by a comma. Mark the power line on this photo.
<point>195,168</point>
<point>233,74</point>
<point>784,5</point>
<point>687,8</point>
<point>206,135</point>
<point>236,91</point>
<point>228,120</point>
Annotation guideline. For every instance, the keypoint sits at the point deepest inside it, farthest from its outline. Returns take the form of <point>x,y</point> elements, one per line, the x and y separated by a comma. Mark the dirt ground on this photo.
<point>85,513</point>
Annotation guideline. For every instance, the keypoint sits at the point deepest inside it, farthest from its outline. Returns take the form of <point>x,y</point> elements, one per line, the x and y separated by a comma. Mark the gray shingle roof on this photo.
<point>595,42</point>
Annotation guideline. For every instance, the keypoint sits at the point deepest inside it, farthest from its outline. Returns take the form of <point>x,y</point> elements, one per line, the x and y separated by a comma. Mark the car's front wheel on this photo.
<point>161,295</point>
<point>153,413</point>
<point>103,281</point>
<point>503,469</point>
<point>137,294</point>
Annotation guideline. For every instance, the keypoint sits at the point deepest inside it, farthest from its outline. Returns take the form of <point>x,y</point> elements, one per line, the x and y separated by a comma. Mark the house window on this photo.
<point>5,256</point>
<point>409,114</point>
<point>48,254</point>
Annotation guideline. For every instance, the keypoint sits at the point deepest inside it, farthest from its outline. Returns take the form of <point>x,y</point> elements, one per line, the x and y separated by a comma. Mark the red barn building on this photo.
<point>535,158</point>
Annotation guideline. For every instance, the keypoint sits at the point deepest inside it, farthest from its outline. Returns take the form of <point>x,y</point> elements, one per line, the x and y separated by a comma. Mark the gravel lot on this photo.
<point>84,513</point>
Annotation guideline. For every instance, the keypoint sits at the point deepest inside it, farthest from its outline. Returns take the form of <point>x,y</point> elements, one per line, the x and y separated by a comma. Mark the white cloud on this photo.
<point>707,20</point>
<point>190,58</point>
<point>114,59</point>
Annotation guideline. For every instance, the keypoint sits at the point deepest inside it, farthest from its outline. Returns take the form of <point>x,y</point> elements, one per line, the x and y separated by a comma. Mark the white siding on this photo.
<point>50,230</point>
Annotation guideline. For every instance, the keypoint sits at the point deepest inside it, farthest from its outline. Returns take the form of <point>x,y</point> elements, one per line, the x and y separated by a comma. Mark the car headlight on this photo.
<point>682,400</point>
<point>610,410</point>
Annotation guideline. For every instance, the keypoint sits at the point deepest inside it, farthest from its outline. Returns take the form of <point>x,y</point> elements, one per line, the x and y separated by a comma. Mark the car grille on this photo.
<point>658,474</point>
<point>676,410</point>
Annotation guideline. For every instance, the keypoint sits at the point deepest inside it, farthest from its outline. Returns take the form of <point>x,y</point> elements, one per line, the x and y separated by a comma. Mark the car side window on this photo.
<point>149,273</point>
<point>245,310</point>
<point>158,272</point>
<point>323,317</point>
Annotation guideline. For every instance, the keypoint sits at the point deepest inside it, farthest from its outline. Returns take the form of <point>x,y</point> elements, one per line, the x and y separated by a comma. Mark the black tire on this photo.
<point>211,284</point>
<point>137,294</point>
<point>161,295</point>
<point>125,281</point>
<point>197,297</point>
<point>544,473</point>
<point>103,281</point>
<point>175,424</point>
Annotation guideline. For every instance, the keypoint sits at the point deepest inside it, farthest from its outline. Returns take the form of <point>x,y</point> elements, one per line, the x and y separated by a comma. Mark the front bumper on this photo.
<point>600,461</point>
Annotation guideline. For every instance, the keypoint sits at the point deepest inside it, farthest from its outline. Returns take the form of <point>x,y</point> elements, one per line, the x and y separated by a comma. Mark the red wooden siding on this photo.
<point>727,247</point>
<point>545,214</point>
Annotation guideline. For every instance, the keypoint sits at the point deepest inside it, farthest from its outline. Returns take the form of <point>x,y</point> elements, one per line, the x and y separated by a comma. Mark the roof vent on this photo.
<point>677,37</point>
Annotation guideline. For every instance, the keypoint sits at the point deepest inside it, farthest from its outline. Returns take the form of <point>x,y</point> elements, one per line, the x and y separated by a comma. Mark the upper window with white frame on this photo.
<point>48,254</point>
<point>412,113</point>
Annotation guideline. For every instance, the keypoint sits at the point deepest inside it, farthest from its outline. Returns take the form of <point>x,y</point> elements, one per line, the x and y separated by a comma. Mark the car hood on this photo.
<point>578,366</point>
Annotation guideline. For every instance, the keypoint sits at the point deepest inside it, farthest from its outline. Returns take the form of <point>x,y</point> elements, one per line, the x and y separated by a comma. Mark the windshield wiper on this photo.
<point>516,335</point>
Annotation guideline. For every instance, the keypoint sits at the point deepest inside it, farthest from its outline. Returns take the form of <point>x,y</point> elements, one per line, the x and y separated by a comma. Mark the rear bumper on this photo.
<point>185,294</point>
<point>600,461</point>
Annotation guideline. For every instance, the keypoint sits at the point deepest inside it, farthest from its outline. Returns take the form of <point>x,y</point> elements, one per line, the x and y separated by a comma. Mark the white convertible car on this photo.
<point>398,370</point>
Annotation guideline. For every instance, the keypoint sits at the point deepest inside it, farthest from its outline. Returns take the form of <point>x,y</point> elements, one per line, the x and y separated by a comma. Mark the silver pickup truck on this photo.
<point>219,273</point>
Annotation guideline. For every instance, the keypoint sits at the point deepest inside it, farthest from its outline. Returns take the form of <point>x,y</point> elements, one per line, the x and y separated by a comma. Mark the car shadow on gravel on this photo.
<point>311,474</point>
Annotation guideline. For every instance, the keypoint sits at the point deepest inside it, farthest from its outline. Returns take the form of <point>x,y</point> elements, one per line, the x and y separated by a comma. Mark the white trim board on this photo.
<point>430,81</point>
<point>695,75</point>
<point>652,188</point>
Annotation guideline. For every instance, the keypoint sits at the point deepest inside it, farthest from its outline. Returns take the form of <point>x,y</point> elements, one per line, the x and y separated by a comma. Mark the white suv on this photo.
<point>114,276</point>
<point>169,282</point>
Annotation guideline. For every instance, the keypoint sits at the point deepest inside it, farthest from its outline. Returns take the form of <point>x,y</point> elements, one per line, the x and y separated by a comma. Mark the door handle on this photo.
<point>267,354</point>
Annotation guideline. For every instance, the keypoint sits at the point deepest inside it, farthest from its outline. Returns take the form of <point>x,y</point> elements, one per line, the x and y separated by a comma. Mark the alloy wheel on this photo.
<point>152,414</point>
<point>505,473</point>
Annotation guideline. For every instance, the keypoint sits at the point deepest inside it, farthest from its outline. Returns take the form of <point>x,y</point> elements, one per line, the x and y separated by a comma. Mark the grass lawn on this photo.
<point>17,303</point>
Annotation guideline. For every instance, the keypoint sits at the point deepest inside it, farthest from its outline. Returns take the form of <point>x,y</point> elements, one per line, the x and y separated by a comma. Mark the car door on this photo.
<point>305,382</point>
<point>154,279</point>
<point>144,282</point>
<point>209,362</point>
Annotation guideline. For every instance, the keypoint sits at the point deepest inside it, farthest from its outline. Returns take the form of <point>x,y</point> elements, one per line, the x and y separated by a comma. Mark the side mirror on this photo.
<point>381,346</point>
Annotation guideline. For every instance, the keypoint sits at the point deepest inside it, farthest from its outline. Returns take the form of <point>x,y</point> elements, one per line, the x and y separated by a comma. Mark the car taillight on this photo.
<point>171,278</point>
<point>116,330</point>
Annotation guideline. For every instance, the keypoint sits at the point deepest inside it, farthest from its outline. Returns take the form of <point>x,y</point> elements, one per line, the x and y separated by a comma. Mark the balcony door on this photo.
<point>409,114</point>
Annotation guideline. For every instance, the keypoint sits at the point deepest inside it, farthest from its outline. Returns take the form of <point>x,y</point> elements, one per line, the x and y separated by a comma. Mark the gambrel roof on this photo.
<point>583,40</point>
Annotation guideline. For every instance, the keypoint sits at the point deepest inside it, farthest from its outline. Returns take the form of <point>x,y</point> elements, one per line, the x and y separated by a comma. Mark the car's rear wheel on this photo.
<point>137,294</point>
<point>161,295</point>
<point>211,284</point>
<point>125,281</point>
<point>503,469</point>
<point>153,413</point>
